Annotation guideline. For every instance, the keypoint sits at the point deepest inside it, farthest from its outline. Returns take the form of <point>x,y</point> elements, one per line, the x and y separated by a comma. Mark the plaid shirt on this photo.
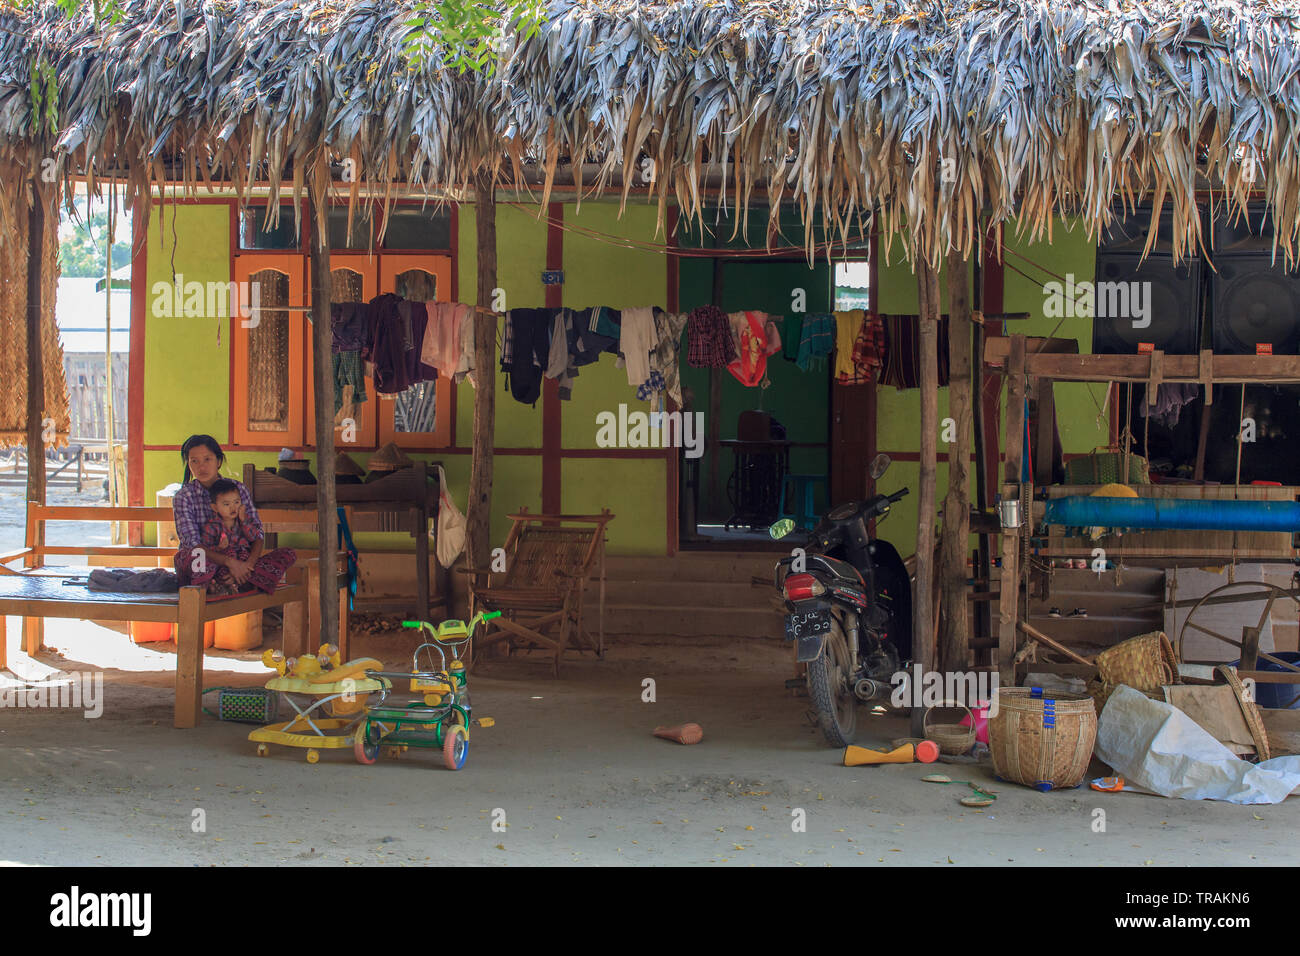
<point>192,509</point>
<point>237,541</point>
<point>708,338</point>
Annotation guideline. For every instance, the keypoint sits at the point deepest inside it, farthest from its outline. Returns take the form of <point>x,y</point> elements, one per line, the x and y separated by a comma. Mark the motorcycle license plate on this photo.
<point>804,624</point>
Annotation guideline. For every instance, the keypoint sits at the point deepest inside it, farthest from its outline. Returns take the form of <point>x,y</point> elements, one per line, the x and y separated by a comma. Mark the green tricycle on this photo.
<point>439,717</point>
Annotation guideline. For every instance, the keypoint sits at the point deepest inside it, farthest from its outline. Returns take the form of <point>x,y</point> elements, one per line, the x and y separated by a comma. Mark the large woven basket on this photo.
<point>1146,663</point>
<point>1042,739</point>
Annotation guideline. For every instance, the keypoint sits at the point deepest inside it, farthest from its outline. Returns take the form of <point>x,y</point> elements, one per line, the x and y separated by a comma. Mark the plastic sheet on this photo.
<point>1157,747</point>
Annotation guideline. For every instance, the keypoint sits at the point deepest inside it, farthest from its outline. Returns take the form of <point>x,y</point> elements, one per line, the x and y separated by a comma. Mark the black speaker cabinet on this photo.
<point>1255,302</point>
<point>1170,296</point>
<point>1128,232</point>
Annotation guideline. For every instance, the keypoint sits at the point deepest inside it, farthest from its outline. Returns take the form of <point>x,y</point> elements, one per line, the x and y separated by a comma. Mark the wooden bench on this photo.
<point>38,590</point>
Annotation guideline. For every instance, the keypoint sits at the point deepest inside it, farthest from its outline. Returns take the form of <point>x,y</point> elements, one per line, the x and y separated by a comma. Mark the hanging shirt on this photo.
<point>666,357</point>
<point>465,367</point>
<point>708,338</point>
<point>441,348</point>
<point>847,326</point>
<point>816,340</point>
<point>637,340</point>
<point>750,366</point>
<point>525,351</point>
<point>559,364</point>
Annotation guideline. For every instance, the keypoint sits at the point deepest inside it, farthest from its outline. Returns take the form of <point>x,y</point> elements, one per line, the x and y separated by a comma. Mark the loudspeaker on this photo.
<point>1128,232</point>
<point>1169,296</point>
<point>1255,300</point>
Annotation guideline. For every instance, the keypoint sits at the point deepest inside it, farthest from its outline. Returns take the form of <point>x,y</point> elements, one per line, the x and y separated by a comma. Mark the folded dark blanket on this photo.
<point>154,580</point>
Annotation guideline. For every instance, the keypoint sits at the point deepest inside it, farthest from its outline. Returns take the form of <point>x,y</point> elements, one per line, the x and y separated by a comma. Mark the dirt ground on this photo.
<point>570,766</point>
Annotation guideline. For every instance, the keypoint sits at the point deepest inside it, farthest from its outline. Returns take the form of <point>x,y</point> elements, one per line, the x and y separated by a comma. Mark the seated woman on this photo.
<point>221,538</point>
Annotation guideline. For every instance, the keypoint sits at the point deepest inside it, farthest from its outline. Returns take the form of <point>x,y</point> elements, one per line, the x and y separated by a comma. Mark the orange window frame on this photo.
<point>246,265</point>
<point>390,267</point>
<point>368,423</point>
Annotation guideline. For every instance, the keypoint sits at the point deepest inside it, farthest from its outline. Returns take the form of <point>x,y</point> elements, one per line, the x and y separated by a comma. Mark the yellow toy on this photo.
<point>325,685</point>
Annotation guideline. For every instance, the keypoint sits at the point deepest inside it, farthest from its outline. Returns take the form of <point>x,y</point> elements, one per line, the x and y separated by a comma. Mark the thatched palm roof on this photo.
<point>930,113</point>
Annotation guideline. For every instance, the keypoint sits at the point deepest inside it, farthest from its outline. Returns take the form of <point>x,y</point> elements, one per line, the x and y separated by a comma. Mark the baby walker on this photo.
<point>335,696</point>
<point>439,717</point>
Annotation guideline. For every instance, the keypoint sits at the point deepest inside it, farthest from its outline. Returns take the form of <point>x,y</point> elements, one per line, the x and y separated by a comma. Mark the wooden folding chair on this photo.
<point>550,561</point>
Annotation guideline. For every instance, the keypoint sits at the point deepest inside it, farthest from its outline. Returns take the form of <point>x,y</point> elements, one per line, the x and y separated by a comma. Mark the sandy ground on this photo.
<point>572,768</point>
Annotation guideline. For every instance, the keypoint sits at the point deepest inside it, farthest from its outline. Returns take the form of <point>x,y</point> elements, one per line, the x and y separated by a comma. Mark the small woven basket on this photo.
<point>952,739</point>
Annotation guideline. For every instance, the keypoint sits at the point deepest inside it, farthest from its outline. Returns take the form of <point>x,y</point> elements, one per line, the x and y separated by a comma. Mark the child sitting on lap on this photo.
<point>226,533</point>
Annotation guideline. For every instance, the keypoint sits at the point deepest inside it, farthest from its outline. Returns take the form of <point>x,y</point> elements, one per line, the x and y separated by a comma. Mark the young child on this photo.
<point>227,534</point>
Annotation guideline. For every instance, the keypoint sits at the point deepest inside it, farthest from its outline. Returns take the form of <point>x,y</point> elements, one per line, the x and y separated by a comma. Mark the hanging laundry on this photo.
<point>708,338</point>
<point>773,336</point>
<point>792,336</point>
<point>666,357</point>
<point>465,367</point>
<point>816,340</point>
<point>1170,399</point>
<point>415,316</point>
<point>390,345</point>
<point>750,366</point>
<point>525,351</point>
<point>847,326</point>
<point>902,351</point>
<point>595,330</point>
<point>350,325</point>
<point>441,348</point>
<point>868,353</point>
<point>349,384</point>
<point>559,365</point>
<point>638,338</point>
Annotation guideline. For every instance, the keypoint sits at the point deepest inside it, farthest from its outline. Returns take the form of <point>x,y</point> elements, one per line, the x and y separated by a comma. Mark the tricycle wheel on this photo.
<point>455,747</point>
<point>313,756</point>
<point>263,750</point>
<point>363,750</point>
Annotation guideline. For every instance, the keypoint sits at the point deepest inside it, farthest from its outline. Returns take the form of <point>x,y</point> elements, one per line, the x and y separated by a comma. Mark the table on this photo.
<point>47,595</point>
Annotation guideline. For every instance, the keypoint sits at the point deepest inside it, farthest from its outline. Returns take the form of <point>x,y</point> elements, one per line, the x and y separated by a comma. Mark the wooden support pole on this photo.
<point>923,649</point>
<point>323,388</point>
<point>1009,587</point>
<point>714,506</point>
<point>35,354</point>
<point>954,612</point>
<point>479,514</point>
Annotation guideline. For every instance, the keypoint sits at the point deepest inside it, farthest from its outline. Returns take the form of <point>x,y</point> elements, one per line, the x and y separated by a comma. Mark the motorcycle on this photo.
<point>849,600</point>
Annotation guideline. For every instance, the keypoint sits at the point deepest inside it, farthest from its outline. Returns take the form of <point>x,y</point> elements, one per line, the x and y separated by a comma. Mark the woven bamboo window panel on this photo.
<point>347,285</point>
<point>268,356</point>
<point>416,409</point>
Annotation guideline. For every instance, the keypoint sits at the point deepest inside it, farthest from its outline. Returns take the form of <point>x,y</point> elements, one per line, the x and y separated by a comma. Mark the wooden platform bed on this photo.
<point>39,590</point>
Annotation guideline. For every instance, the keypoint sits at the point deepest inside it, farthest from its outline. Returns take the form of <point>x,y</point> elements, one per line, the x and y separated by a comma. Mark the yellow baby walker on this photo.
<point>329,699</point>
<point>439,717</point>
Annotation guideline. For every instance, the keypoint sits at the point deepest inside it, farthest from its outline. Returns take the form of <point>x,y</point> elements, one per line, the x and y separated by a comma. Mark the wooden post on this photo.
<point>714,505</point>
<point>189,657</point>
<point>35,354</point>
<point>323,387</point>
<point>923,649</point>
<point>954,634</point>
<point>479,515</point>
<point>1009,595</point>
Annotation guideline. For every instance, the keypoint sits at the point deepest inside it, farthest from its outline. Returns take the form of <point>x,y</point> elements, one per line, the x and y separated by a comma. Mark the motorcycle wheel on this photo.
<point>832,695</point>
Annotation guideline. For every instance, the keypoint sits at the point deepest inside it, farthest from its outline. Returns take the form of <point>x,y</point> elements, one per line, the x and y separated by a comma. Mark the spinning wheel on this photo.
<point>1248,645</point>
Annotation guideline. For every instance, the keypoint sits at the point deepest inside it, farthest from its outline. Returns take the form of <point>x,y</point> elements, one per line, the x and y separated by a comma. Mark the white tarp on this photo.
<point>1155,746</point>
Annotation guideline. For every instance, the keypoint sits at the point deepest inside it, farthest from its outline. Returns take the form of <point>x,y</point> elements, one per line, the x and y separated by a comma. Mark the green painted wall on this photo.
<point>1077,412</point>
<point>182,398</point>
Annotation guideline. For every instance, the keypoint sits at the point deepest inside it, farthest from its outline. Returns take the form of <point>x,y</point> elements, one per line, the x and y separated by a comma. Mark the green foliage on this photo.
<point>83,252</point>
<point>45,97</point>
<point>468,34</point>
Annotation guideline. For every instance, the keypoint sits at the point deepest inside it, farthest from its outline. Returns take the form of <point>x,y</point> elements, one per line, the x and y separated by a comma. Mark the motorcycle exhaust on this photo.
<point>867,689</point>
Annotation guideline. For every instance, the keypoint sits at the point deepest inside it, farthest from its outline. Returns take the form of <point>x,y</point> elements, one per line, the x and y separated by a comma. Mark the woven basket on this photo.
<point>953,739</point>
<point>1105,467</point>
<point>1249,710</point>
<point>1042,739</point>
<point>1145,662</point>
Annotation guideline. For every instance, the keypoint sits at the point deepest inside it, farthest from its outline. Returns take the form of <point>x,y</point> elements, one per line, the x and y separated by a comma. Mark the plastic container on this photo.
<point>981,712</point>
<point>1276,696</point>
<point>151,632</point>
<point>238,633</point>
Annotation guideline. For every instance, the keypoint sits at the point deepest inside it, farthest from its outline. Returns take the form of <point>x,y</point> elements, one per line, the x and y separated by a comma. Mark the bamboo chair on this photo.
<point>550,561</point>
